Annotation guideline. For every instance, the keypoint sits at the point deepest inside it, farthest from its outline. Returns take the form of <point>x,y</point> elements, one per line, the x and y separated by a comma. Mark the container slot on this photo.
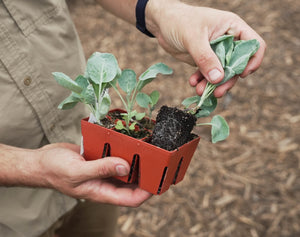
<point>162,180</point>
<point>177,170</point>
<point>133,168</point>
<point>106,150</point>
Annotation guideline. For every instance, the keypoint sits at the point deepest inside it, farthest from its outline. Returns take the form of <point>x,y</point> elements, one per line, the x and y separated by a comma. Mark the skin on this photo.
<point>184,31</point>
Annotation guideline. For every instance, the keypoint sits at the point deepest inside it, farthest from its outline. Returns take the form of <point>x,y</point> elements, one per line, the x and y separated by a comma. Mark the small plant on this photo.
<point>102,72</point>
<point>234,57</point>
<point>92,89</point>
<point>173,126</point>
<point>132,87</point>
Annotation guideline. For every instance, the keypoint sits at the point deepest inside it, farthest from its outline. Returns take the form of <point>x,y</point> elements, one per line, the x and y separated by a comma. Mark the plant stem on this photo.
<point>119,94</point>
<point>209,89</point>
<point>201,124</point>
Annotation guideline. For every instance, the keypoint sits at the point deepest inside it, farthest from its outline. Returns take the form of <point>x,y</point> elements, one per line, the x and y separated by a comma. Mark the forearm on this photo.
<point>124,9</point>
<point>19,167</point>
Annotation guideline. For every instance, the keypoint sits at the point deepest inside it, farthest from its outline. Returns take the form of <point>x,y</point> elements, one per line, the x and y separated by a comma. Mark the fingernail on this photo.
<point>121,170</point>
<point>214,75</point>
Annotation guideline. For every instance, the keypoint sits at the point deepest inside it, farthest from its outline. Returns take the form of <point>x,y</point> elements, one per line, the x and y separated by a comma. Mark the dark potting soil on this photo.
<point>173,128</point>
<point>142,127</point>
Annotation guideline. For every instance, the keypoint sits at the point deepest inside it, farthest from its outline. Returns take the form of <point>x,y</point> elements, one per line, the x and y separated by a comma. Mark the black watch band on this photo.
<point>140,17</point>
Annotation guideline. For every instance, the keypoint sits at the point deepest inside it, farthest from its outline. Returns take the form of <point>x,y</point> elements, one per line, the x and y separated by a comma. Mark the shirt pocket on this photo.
<point>32,14</point>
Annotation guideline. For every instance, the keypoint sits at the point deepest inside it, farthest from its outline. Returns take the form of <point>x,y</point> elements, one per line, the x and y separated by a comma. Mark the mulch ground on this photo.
<point>248,185</point>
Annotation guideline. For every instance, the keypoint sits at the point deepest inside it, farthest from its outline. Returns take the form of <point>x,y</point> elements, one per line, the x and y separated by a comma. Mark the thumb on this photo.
<point>207,61</point>
<point>104,168</point>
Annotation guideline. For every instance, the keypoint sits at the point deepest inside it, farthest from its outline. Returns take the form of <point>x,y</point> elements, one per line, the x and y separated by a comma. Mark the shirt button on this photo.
<point>27,81</point>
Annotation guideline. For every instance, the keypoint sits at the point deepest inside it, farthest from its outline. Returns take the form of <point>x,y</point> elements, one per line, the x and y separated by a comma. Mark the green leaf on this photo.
<point>140,116</point>
<point>143,100</point>
<point>220,129</point>
<point>119,125</point>
<point>69,102</point>
<point>104,106</point>
<point>82,81</point>
<point>191,100</point>
<point>208,106</point>
<point>67,82</point>
<point>102,67</point>
<point>220,39</point>
<point>89,95</point>
<point>132,126</point>
<point>233,55</point>
<point>127,80</point>
<point>152,72</point>
<point>154,97</point>
<point>241,55</point>
<point>228,74</point>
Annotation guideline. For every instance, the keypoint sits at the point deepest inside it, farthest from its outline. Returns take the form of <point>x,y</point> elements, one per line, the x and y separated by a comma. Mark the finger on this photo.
<point>113,191</point>
<point>200,87</point>
<point>102,168</point>
<point>207,61</point>
<point>195,78</point>
<point>243,31</point>
<point>222,89</point>
<point>122,195</point>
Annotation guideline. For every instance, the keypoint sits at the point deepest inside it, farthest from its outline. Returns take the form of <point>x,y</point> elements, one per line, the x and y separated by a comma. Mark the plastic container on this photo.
<point>152,168</point>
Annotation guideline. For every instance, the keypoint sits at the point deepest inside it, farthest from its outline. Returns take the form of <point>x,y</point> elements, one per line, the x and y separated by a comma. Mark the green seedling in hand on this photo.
<point>234,57</point>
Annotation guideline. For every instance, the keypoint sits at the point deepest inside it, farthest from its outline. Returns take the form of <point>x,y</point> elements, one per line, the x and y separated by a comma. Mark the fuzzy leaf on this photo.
<point>82,81</point>
<point>67,82</point>
<point>152,72</point>
<point>191,100</point>
<point>223,47</point>
<point>233,55</point>
<point>89,95</point>
<point>139,116</point>
<point>207,107</point>
<point>104,106</point>
<point>69,102</point>
<point>127,81</point>
<point>143,100</point>
<point>241,55</point>
<point>154,97</point>
<point>220,129</point>
<point>220,39</point>
<point>102,67</point>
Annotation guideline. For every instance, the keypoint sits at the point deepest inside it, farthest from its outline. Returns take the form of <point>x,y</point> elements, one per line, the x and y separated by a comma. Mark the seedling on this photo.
<point>234,57</point>
<point>132,87</point>
<point>92,88</point>
<point>103,72</point>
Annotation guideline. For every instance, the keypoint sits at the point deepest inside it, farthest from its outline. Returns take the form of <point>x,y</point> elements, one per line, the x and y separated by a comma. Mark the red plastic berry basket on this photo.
<point>152,168</point>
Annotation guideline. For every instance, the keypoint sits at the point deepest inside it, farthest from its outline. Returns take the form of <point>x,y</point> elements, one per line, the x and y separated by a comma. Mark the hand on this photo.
<point>185,32</point>
<point>65,170</point>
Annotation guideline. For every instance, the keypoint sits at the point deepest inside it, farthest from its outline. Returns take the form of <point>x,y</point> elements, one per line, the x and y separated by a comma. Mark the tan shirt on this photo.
<point>36,38</point>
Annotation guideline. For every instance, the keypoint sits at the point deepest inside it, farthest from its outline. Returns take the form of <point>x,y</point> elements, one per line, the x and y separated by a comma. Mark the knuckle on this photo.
<point>105,171</point>
<point>205,58</point>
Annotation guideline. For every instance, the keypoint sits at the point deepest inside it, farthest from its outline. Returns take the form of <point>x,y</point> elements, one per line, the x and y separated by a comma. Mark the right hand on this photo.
<point>184,31</point>
<point>65,170</point>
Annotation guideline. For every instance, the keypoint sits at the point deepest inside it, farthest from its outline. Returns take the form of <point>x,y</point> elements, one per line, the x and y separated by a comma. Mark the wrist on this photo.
<point>20,167</point>
<point>156,12</point>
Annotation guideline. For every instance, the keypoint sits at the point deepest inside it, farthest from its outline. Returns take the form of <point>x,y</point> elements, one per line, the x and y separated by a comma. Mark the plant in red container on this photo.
<point>160,151</point>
